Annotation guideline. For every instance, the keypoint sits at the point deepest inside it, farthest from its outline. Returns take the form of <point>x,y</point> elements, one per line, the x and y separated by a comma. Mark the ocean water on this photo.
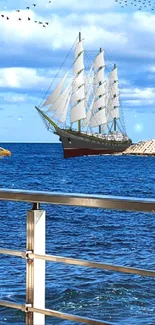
<point>116,237</point>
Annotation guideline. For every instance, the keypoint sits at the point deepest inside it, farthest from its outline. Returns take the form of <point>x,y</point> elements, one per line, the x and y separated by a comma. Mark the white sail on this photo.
<point>78,90</point>
<point>78,81</point>
<point>99,76</point>
<point>113,109</point>
<point>78,64</point>
<point>78,49</point>
<point>99,61</point>
<point>115,113</point>
<point>88,95</point>
<point>88,78</point>
<point>115,102</point>
<point>98,118</point>
<point>114,89</point>
<point>78,112</point>
<point>56,92</point>
<point>109,117</point>
<point>100,102</point>
<point>58,102</point>
<point>63,114</point>
<point>101,90</point>
<point>61,103</point>
<point>85,121</point>
<point>78,95</point>
<point>113,76</point>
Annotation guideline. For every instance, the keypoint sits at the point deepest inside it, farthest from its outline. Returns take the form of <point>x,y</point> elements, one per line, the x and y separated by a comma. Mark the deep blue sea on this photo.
<point>116,237</point>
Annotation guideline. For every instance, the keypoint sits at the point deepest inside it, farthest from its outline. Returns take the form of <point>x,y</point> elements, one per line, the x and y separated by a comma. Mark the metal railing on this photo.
<point>35,248</point>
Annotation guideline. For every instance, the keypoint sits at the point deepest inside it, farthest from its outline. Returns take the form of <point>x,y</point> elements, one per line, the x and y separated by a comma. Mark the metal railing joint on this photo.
<point>29,255</point>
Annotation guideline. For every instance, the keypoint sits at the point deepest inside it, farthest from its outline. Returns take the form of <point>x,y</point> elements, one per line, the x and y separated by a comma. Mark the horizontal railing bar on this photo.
<point>99,265</point>
<point>79,262</point>
<point>83,200</point>
<point>75,318</point>
<point>12,305</point>
<point>12,252</point>
<point>54,313</point>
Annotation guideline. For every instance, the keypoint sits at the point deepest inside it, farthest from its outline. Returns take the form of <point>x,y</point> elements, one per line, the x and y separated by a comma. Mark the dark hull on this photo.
<point>70,153</point>
<point>76,144</point>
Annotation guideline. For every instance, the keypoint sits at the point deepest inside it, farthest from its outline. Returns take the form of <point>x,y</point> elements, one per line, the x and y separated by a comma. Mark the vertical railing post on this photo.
<point>35,269</point>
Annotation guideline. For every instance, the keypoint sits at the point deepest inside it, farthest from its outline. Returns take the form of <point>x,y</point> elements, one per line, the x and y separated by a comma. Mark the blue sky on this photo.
<point>31,55</point>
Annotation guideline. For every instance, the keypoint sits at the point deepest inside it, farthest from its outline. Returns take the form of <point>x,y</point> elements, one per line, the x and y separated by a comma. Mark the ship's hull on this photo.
<point>78,144</point>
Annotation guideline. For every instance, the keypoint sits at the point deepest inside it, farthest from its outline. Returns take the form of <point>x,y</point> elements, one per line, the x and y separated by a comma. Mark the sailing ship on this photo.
<point>93,103</point>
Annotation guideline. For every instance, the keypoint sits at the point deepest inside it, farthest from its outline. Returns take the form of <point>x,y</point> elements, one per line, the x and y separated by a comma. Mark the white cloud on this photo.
<point>124,82</point>
<point>61,32</point>
<point>72,5</point>
<point>99,29</point>
<point>151,69</point>
<point>10,78</point>
<point>13,98</point>
<point>75,5</point>
<point>22,78</point>
<point>138,98</point>
<point>143,21</point>
<point>138,93</point>
<point>132,102</point>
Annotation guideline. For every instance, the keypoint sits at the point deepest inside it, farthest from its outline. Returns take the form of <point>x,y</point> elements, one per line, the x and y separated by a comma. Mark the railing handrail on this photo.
<point>36,245</point>
<point>76,199</point>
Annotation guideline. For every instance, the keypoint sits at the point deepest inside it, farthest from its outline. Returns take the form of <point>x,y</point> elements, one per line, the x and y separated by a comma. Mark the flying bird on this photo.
<point>139,4</point>
<point>44,24</point>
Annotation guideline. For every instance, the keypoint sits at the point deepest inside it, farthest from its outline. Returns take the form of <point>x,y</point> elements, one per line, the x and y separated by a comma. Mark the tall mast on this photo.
<point>78,109</point>
<point>100,95</point>
<point>79,122</point>
<point>115,96</point>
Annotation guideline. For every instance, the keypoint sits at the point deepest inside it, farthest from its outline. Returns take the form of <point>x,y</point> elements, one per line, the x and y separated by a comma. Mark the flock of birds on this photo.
<point>44,24</point>
<point>139,4</point>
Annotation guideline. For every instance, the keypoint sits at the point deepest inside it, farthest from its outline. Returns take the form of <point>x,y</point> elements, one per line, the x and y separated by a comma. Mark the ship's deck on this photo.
<point>102,138</point>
